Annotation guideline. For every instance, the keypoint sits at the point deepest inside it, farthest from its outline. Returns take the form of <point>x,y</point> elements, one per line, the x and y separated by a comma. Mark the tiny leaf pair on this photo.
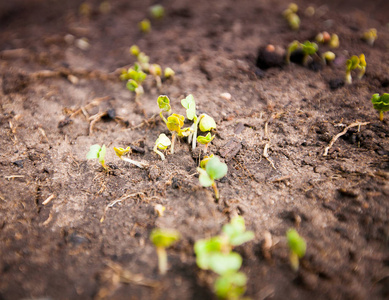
<point>97,152</point>
<point>353,63</point>
<point>381,103</point>
<point>213,170</point>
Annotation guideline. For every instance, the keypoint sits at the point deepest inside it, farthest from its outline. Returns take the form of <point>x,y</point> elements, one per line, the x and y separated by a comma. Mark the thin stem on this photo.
<point>206,148</point>
<point>173,142</point>
<point>381,115</point>
<point>136,163</point>
<point>196,123</point>
<point>215,190</point>
<point>159,152</point>
<point>162,260</point>
<point>362,72</point>
<point>158,82</point>
<point>348,78</point>
<point>162,117</point>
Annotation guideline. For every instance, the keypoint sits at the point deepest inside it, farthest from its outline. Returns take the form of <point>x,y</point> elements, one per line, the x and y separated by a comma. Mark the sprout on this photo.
<point>134,50</point>
<point>145,26</point>
<point>328,56</point>
<point>162,142</point>
<point>174,124</point>
<point>120,152</point>
<point>290,14</point>
<point>162,239</point>
<point>214,170</point>
<point>207,123</point>
<point>135,77</point>
<point>169,73</point>
<point>205,140</point>
<point>353,63</point>
<point>98,152</point>
<point>216,254</point>
<point>308,49</point>
<point>157,11</point>
<point>370,36</point>
<point>190,105</point>
<point>297,246</point>
<point>293,46</point>
<point>205,160</point>
<point>334,41</point>
<point>381,104</point>
<point>323,37</point>
<point>156,71</point>
<point>164,104</point>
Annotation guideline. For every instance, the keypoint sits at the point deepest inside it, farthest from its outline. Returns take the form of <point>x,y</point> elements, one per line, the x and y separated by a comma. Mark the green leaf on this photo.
<point>205,139</point>
<point>236,232</point>
<point>221,263</point>
<point>102,155</point>
<point>157,11</point>
<point>134,50</point>
<point>189,104</point>
<point>132,85</point>
<point>352,63</point>
<point>242,238</point>
<point>204,178</point>
<point>207,123</point>
<point>230,285</point>
<point>164,237</point>
<point>163,141</point>
<point>380,103</point>
<point>296,243</point>
<point>93,152</point>
<point>216,169</point>
<point>205,160</point>
<point>164,103</point>
<point>175,122</point>
<point>204,250</point>
<point>309,48</point>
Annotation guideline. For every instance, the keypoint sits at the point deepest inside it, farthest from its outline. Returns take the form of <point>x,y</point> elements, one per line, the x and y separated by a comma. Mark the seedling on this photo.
<point>353,63</point>
<point>328,56</point>
<point>98,152</point>
<point>162,143</point>
<point>162,239</point>
<point>290,14</point>
<point>207,123</point>
<point>145,26</point>
<point>156,71</point>
<point>334,41</point>
<point>381,103</point>
<point>293,46</point>
<point>297,246</point>
<point>157,11</point>
<point>370,36</point>
<point>214,170</point>
<point>216,254</point>
<point>308,49</point>
<point>120,152</point>
<point>205,140</point>
<point>190,105</point>
<point>135,77</point>
<point>164,105</point>
<point>169,73</point>
<point>323,37</point>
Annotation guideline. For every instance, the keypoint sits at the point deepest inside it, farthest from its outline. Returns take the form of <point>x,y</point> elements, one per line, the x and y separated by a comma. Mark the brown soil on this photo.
<point>339,202</point>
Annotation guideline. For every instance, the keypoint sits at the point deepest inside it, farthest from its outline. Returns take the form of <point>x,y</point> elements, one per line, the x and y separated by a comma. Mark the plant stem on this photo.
<point>215,190</point>
<point>194,141</point>
<point>158,82</point>
<point>381,115</point>
<point>348,78</point>
<point>363,69</point>
<point>159,152</point>
<point>162,117</point>
<point>136,163</point>
<point>162,260</point>
<point>173,142</point>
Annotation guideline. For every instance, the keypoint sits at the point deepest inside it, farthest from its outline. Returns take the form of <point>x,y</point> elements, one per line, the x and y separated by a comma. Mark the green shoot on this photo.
<point>98,152</point>
<point>205,160</point>
<point>216,254</point>
<point>169,73</point>
<point>308,49</point>
<point>134,50</point>
<point>164,104</point>
<point>205,140</point>
<point>190,105</point>
<point>156,71</point>
<point>297,246</point>
<point>381,103</point>
<point>328,56</point>
<point>174,124</point>
<point>353,63</point>
<point>120,152</point>
<point>370,36</point>
<point>290,14</point>
<point>207,123</point>
<point>334,41</point>
<point>145,26</point>
<point>162,239</point>
<point>157,11</point>
<point>135,77</point>
<point>293,46</point>
<point>214,170</point>
<point>162,143</point>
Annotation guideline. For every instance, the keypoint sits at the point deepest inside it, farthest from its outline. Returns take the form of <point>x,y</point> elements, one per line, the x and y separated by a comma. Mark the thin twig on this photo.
<point>355,124</point>
<point>123,198</point>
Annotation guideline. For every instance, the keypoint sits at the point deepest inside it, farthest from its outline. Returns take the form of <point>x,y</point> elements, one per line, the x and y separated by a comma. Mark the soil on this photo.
<point>54,243</point>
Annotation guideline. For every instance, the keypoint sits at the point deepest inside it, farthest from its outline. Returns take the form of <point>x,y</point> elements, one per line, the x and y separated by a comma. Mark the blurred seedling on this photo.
<point>121,152</point>
<point>370,36</point>
<point>216,254</point>
<point>290,14</point>
<point>162,239</point>
<point>334,41</point>
<point>157,11</point>
<point>307,48</point>
<point>381,103</point>
<point>97,152</point>
<point>169,73</point>
<point>145,26</point>
<point>353,63</point>
<point>325,38</point>
<point>162,143</point>
<point>135,77</point>
<point>297,246</point>
<point>156,71</point>
<point>328,56</point>
<point>213,169</point>
<point>205,140</point>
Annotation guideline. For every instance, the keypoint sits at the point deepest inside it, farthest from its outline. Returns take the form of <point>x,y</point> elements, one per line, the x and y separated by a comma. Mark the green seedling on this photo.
<point>169,73</point>
<point>328,56</point>
<point>174,124</point>
<point>162,239</point>
<point>381,103</point>
<point>134,50</point>
<point>334,41</point>
<point>205,160</point>
<point>156,71</point>
<point>205,140</point>
<point>190,105</point>
<point>164,105</point>
<point>308,48</point>
<point>135,77</point>
<point>157,11</point>
<point>297,246</point>
<point>207,123</point>
<point>98,152</point>
<point>145,26</point>
<point>290,14</point>
<point>120,152</point>
<point>214,169</point>
<point>293,46</point>
<point>216,254</point>
<point>162,143</point>
<point>353,63</point>
<point>370,36</point>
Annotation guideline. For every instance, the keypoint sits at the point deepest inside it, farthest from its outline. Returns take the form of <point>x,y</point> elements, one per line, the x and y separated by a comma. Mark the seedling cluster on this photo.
<point>307,48</point>
<point>216,254</point>
<point>290,14</point>
<point>355,62</point>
